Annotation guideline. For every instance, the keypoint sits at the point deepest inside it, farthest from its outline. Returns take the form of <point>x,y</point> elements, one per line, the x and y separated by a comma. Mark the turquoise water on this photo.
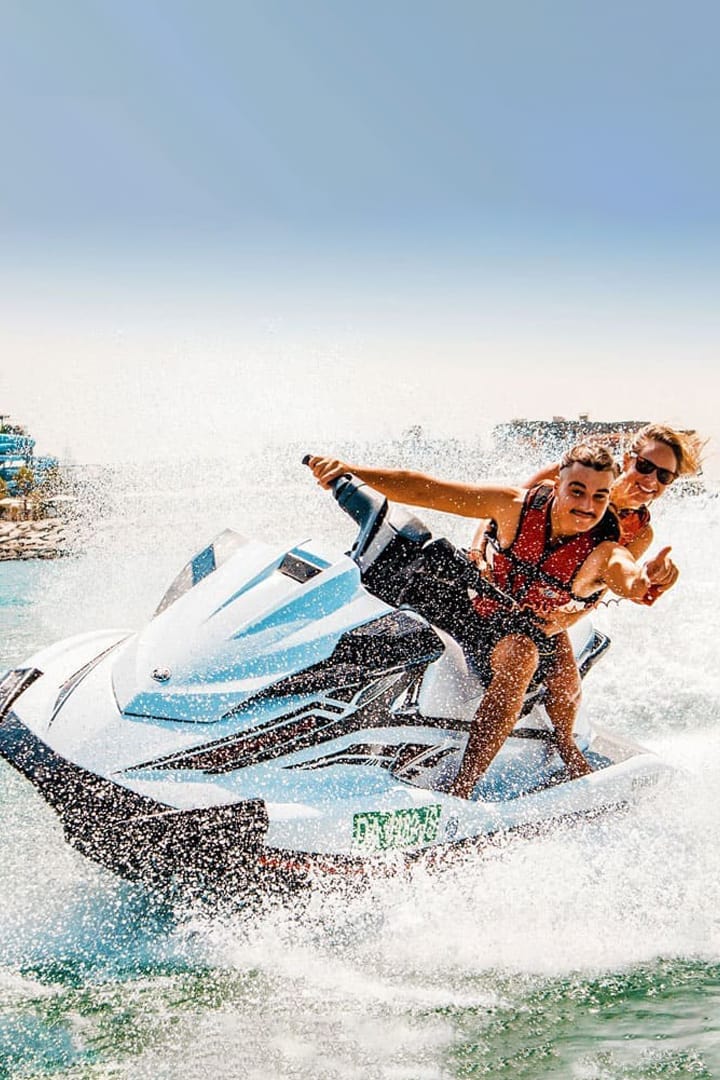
<point>592,952</point>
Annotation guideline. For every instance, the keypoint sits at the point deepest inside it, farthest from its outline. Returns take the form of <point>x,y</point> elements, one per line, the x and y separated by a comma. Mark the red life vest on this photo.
<point>632,523</point>
<point>535,572</point>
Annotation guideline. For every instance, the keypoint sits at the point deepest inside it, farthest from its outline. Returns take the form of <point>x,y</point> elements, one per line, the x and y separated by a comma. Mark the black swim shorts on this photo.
<point>482,635</point>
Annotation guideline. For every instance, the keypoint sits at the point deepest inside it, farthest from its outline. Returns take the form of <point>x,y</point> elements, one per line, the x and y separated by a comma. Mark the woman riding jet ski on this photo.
<point>284,709</point>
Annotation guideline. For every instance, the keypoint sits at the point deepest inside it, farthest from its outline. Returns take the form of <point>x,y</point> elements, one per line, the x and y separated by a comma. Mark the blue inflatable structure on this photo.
<point>16,452</point>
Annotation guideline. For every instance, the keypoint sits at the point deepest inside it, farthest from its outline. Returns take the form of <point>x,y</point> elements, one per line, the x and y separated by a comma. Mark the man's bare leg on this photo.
<point>513,662</point>
<point>564,693</point>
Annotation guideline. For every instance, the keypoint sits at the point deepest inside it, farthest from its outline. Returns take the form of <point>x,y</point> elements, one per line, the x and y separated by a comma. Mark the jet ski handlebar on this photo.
<point>441,561</point>
<point>362,503</point>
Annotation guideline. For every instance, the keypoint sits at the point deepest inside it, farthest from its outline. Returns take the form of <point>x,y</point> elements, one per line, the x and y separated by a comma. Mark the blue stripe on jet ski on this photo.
<point>317,601</point>
<point>250,584</point>
<point>399,640</point>
<point>203,564</point>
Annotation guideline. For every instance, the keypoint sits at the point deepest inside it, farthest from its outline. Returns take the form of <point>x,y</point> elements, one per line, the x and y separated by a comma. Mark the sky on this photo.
<point>323,219</point>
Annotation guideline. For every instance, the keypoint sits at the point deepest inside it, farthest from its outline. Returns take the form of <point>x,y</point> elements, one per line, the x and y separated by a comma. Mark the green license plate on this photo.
<point>378,830</point>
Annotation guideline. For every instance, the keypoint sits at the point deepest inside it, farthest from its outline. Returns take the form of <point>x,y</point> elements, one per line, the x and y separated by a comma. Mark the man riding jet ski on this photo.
<point>286,709</point>
<point>556,551</point>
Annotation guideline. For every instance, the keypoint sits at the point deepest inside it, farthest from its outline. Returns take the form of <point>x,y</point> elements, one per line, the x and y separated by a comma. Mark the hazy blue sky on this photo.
<point>330,217</point>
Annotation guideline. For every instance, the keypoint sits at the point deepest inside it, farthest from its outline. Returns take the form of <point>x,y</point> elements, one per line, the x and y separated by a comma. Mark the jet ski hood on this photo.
<point>238,617</point>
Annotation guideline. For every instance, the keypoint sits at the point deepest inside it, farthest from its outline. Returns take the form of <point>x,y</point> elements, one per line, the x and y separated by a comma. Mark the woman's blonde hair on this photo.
<point>685,445</point>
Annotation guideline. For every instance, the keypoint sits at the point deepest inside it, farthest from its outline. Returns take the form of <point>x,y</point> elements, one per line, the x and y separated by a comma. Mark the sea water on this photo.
<point>591,952</point>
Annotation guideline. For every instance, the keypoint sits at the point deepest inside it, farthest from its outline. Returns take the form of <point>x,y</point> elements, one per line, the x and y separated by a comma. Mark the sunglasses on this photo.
<point>645,468</point>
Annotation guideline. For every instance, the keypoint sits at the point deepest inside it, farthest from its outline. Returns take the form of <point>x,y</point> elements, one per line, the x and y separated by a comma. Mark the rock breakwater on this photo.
<point>44,539</point>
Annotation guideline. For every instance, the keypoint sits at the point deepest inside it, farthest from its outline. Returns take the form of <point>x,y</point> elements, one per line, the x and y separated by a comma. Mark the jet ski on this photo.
<point>288,711</point>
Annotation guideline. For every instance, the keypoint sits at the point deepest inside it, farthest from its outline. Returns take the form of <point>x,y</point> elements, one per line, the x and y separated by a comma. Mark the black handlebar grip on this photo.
<point>336,485</point>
